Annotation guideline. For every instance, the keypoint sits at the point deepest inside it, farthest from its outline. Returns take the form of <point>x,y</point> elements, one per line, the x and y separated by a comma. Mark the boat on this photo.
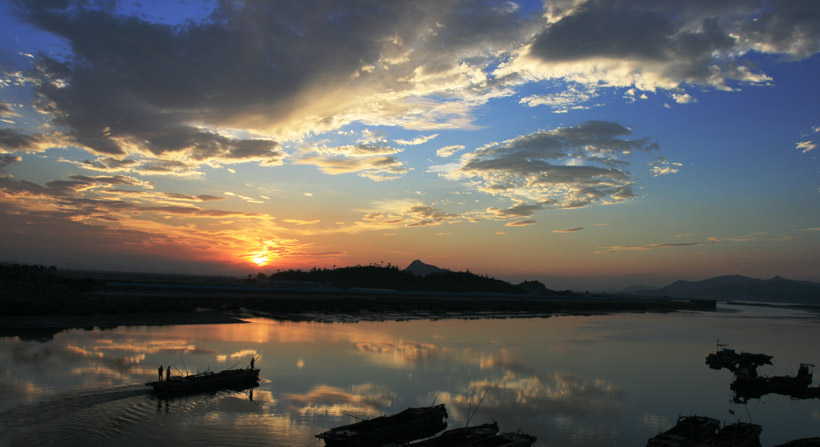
<point>403,427</point>
<point>509,439</point>
<point>805,442</point>
<point>749,386</point>
<point>739,434</point>
<point>207,381</point>
<point>688,431</point>
<point>724,357</point>
<point>458,437</point>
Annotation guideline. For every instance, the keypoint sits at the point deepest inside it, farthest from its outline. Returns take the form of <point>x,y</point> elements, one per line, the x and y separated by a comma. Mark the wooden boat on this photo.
<point>805,442</point>
<point>207,381</point>
<point>485,435</point>
<point>753,386</point>
<point>724,357</point>
<point>688,431</point>
<point>458,437</point>
<point>409,425</point>
<point>739,434</point>
<point>508,439</point>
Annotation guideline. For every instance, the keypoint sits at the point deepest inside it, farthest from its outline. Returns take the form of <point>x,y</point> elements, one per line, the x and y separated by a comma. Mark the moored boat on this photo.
<point>724,357</point>
<point>207,381</point>
<point>739,434</point>
<point>509,439</point>
<point>459,437</point>
<point>406,426</point>
<point>805,442</point>
<point>688,431</point>
<point>753,386</point>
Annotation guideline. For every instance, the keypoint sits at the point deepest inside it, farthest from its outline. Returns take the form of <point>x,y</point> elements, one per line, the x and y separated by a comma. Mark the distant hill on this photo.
<point>419,268</point>
<point>738,287</point>
<point>417,276</point>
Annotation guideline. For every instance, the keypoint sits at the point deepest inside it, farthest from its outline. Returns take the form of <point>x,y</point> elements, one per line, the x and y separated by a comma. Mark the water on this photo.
<point>571,381</point>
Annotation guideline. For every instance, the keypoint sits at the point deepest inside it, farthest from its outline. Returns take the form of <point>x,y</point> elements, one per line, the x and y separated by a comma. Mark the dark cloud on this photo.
<point>516,211</point>
<point>788,26</point>
<point>251,65</point>
<point>611,31</point>
<point>565,168</point>
<point>568,230</point>
<point>8,159</point>
<point>15,140</point>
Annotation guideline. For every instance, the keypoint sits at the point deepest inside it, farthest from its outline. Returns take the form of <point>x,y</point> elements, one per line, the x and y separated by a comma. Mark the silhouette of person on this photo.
<point>252,362</point>
<point>160,373</point>
<point>168,373</point>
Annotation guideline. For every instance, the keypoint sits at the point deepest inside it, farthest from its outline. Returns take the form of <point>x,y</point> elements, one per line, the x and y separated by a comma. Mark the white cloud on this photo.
<point>416,141</point>
<point>662,166</point>
<point>806,146</point>
<point>448,151</point>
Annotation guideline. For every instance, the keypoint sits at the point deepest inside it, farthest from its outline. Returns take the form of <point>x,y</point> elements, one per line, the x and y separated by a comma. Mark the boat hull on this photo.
<point>410,424</point>
<point>228,379</point>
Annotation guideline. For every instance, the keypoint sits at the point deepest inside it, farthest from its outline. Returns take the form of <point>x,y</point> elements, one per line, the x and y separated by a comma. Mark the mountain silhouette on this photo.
<point>419,268</point>
<point>736,287</point>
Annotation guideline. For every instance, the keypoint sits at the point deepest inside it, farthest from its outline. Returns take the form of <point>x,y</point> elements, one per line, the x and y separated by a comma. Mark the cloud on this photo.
<point>662,166</point>
<point>568,167</point>
<point>448,151</point>
<point>648,46</point>
<point>333,64</point>
<point>82,213</point>
<point>568,230</point>
<point>6,111</point>
<point>8,159</point>
<point>377,167</point>
<point>648,247</point>
<point>416,141</point>
<point>13,140</point>
<point>570,96</point>
<point>520,223</point>
<point>301,221</point>
<point>406,213</point>
<point>806,146</point>
<point>187,91</point>
<point>516,211</point>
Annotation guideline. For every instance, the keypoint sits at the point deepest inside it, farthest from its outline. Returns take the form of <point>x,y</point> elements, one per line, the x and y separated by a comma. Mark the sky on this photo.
<point>586,144</point>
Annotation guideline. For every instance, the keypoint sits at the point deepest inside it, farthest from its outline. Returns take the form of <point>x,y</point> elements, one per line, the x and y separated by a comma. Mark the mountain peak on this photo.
<point>419,268</point>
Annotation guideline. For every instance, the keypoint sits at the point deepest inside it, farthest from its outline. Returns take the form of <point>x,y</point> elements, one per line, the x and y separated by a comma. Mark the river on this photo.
<point>610,380</point>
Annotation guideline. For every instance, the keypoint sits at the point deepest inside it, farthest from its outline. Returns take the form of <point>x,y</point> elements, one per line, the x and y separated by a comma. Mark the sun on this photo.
<point>261,260</point>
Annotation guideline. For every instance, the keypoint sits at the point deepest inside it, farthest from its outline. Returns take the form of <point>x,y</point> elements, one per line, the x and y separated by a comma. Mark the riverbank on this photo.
<point>39,308</point>
<point>131,304</point>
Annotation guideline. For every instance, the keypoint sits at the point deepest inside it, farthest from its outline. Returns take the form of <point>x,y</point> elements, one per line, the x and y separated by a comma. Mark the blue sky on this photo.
<point>583,143</point>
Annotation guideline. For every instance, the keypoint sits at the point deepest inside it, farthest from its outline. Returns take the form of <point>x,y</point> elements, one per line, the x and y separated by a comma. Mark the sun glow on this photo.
<point>261,260</point>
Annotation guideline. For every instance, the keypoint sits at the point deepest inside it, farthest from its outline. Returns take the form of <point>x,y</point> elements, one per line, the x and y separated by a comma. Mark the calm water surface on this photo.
<point>570,381</point>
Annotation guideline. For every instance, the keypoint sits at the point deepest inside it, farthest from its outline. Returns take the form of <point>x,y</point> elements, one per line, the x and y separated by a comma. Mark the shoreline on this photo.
<point>161,305</point>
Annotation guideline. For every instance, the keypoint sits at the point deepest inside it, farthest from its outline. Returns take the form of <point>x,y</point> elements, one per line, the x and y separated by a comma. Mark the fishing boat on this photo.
<point>688,431</point>
<point>403,427</point>
<point>459,437</point>
<point>805,442</point>
<point>207,381</point>
<point>746,385</point>
<point>724,357</point>
<point>509,439</point>
<point>739,434</point>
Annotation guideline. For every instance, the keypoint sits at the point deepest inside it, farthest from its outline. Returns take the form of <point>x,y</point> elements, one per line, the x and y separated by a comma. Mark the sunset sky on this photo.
<point>585,144</point>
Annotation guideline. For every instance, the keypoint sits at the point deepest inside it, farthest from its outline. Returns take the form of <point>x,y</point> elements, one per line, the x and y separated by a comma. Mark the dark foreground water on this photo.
<point>570,381</point>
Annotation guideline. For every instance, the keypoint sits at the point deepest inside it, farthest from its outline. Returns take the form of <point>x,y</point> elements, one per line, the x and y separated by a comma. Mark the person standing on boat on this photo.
<point>168,373</point>
<point>252,362</point>
<point>160,373</point>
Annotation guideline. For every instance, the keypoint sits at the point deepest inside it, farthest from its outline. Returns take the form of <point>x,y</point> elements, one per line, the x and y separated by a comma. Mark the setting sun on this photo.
<point>261,260</point>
